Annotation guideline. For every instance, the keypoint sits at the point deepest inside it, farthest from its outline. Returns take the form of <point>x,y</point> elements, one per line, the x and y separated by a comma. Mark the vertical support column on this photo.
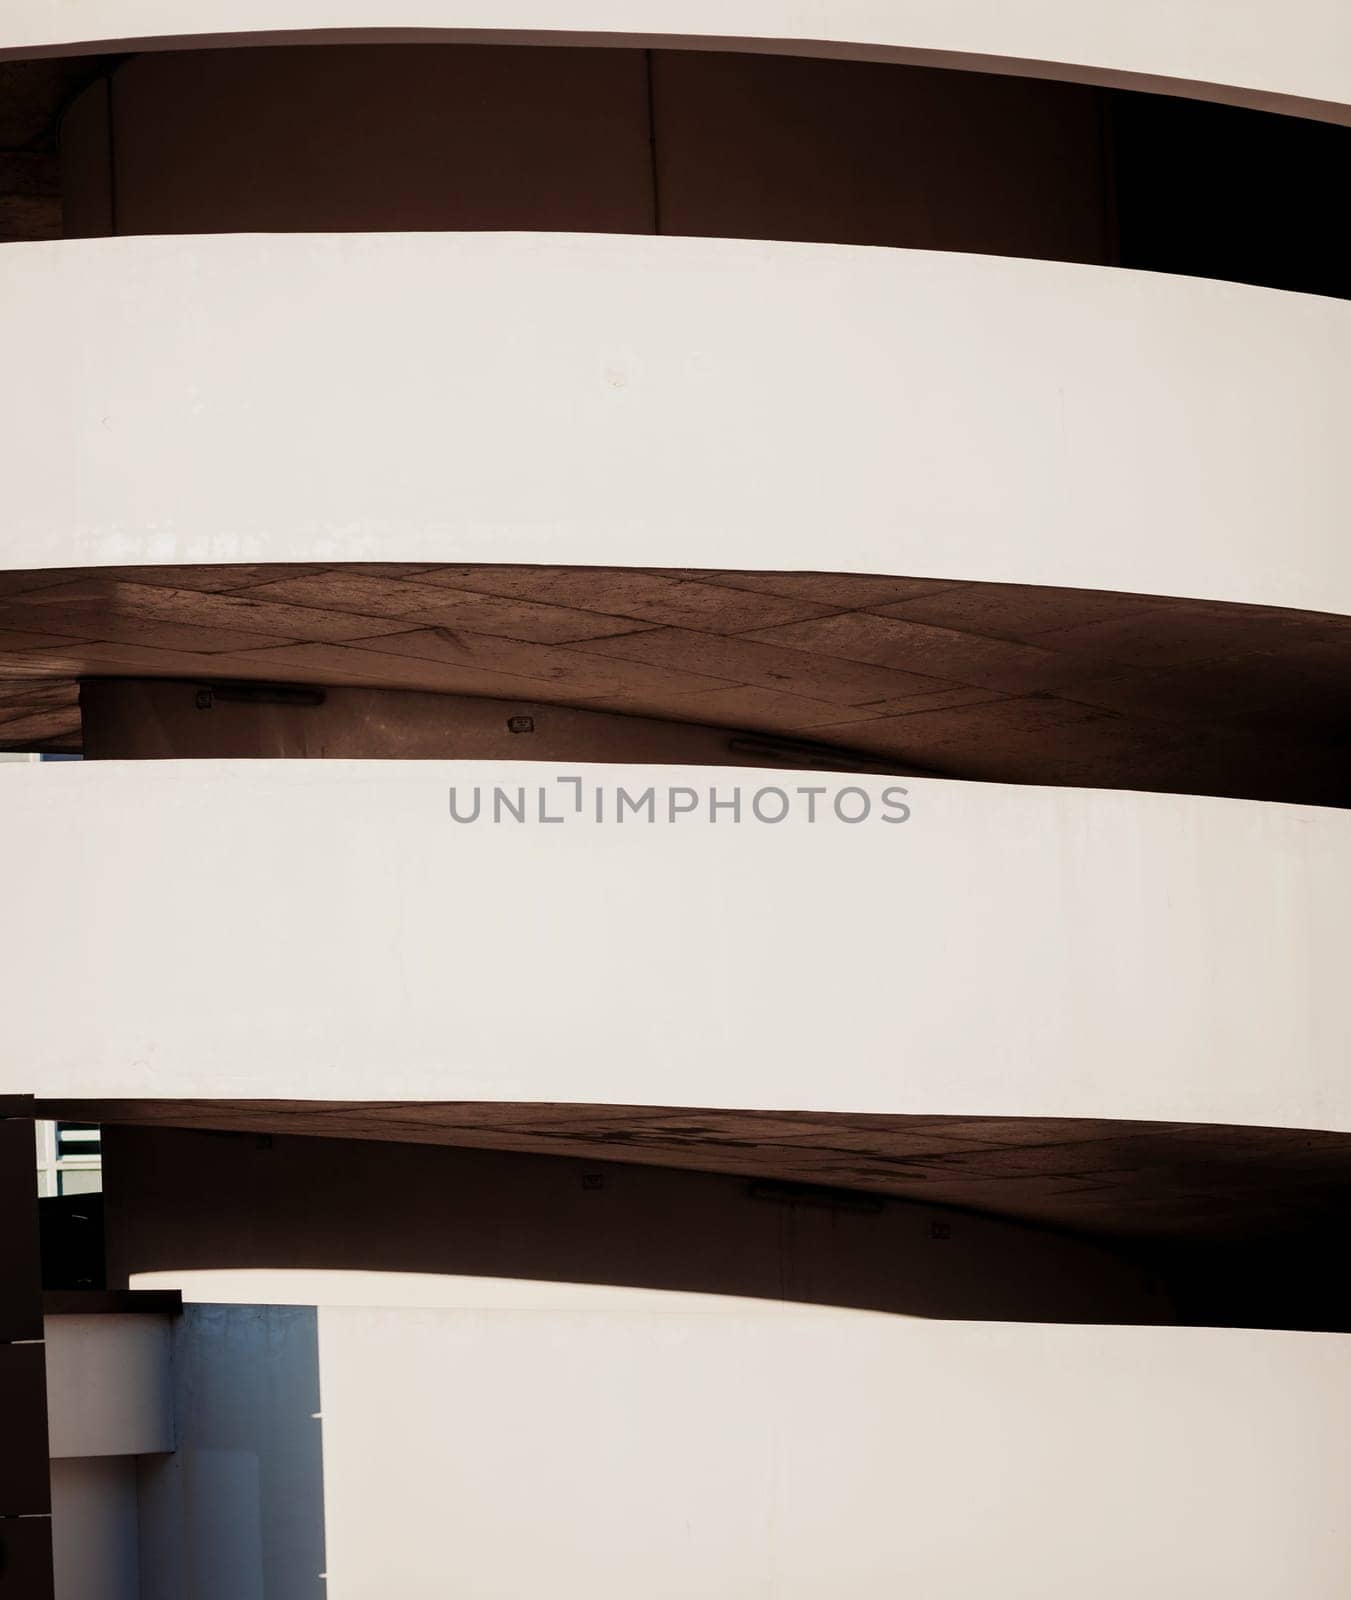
<point>25,1471</point>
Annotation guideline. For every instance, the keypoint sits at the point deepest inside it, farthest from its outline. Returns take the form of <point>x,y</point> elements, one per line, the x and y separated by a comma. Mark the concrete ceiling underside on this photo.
<point>994,682</point>
<point>1147,1181</point>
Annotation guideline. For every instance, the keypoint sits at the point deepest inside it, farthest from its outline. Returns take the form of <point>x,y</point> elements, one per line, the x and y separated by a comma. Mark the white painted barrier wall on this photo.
<point>325,930</point>
<point>748,1453</point>
<point>1253,50</point>
<point>640,401</point>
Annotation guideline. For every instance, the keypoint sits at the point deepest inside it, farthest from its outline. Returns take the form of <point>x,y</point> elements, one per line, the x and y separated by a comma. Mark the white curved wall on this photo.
<point>735,1451</point>
<point>1258,51</point>
<point>672,402</point>
<point>1007,951</point>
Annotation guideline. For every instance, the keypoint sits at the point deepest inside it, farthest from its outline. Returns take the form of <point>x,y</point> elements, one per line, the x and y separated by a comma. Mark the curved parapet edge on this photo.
<point>993,952</point>
<point>672,402</point>
<point>1295,59</point>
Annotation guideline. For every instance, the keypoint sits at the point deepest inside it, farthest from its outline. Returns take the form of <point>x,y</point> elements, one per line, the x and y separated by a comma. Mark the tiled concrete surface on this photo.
<point>1123,1178</point>
<point>989,681</point>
